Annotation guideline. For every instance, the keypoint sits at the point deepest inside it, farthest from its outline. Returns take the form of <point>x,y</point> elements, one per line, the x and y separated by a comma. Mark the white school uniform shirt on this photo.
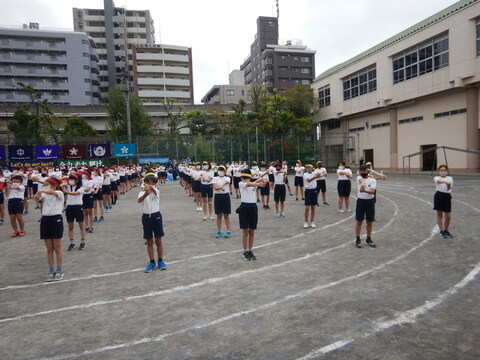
<point>97,181</point>
<point>322,171</point>
<point>87,183</point>
<point>255,172</point>
<point>299,170</point>
<point>237,170</point>
<point>52,205</point>
<point>220,180</point>
<point>207,176</point>
<point>195,174</point>
<point>75,199</point>
<point>248,194</point>
<point>309,185</point>
<point>115,176</point>
<point>17,192</point>
<point>107,179</point>
<point>343,177</point>
<point>264,175</point>
<point>370,183</point>
<point>443,187</point>
<point>279,177</point>
<point>271,170</point>
<point>151,204</point>
<point>7,173</point>
<point>121,172</point>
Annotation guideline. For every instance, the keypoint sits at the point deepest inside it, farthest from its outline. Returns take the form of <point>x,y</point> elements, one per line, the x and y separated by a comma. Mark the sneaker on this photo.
<point>71,247</point>
<point>278,215</point>
<point>37,207</point>
<point>268,207</point>
<point>447,234</point>
<point>252,256</point>
<point>312,224</point>
<point>101,219</point>
<point>162,265</point>
<point>296,199</point>
<point>258,200</point>
<point>282,214</point>
<point>325,203</point>
<point>358,243</point>
<point>305,225</point>
<point>95,219</point>
<point>15,234</point>
<point>369,242</point>
<point>227,234</point>
<point>58,275</point>
<point>349,210</point>
<point>291,194</point>
<point>303,198</point>
<point>204,218</point>
<point>21,233</point>
<point>219,234</point>
<point>90,230</point>
<point>82,246</point>
<point>341,211</point>
<point>2,222</point>
<point>25,212</point>
<point>212,218</point>
<point>150,267</point>
<point>442,234</point>
<point>50,276</point>
<point>246,255</point>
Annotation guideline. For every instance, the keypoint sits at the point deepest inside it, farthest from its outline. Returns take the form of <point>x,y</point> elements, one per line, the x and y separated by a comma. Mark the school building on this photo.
<point>416,90</point>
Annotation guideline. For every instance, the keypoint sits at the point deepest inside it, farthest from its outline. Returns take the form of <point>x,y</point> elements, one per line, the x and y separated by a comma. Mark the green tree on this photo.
<point>301,102</point>
<point>279,118</point>
<point>141,122</point>
<point>77,126</point>
<point>257,99</point>
<point>197,122</point>
<point>175,116</point>
<point>239,121</point>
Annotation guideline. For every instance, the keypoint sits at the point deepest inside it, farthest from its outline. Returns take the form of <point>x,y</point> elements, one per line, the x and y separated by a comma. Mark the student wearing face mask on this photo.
<point>221,201</point>
<point>299,171</point>
<point>280,191</point>
<point>321,183</point>
<point>206,189</point>
<point>197,185</point>
<point>97,178</point>
<point>442,200</point>
<point>3,181</point>
<point>309,179</point>
<point>365,208</point>
<point>344,187</point>
<point>265,190</point>
<point>87,200</point>
<point>74,211</point>
<point>255,176</point>
<point>15,204</point>
<point>51,226</point>
<point>248,212</point>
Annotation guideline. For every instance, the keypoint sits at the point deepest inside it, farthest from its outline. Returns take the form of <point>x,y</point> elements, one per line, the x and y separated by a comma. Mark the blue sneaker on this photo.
<point>282,214</point>
<point>150,267</point>
<point>219,234</point>
<point>162,265</point>
<point>95,219</point>
<point>278,215</point>
<point>227,234</point>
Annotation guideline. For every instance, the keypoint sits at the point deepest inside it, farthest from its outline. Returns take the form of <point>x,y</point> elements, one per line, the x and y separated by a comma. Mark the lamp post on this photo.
<point>125,77</point>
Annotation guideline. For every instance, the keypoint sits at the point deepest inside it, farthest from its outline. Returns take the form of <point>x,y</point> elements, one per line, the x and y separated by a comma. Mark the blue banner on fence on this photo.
<point>2,153</point>
<point>47,152</point>
<point>124,150</point>
<point>163,160</point>
<point>20,152</point>
<point>99,150</point>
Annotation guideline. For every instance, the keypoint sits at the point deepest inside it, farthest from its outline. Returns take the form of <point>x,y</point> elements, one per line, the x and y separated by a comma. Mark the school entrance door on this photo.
<point>429,160</point>
<point>368,156</point>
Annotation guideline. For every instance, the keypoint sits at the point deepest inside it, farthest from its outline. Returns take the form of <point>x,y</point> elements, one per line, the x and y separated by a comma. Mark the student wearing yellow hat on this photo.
<point>310,194</point>
<point>442,201</point>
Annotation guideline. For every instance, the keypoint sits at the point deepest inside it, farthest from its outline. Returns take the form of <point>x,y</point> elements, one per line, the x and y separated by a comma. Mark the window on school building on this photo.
<point>334,124</point>
<point>478,37</point>
<point>230,92</point>
<point>86,55</point>
<point>357,129</point>
<point>324,96</point>
<point>360,83</point>
<point>424,58</point>
<point>450,113</point>
<point>376,126</point>
<point>410,120</point>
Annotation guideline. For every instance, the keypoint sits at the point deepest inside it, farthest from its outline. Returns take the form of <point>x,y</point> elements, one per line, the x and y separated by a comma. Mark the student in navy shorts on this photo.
<point>51,225</point>
<point>15,205</point>
<point>442,201</point>
<point>365,208</point>
<point>74,211</point>
<point>310,182</point>
<point>152,223</point>
<point>87,200</point>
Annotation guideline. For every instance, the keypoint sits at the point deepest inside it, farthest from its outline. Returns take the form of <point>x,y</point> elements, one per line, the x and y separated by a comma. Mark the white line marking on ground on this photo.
<point>266,306</point>
<point>402,317</point>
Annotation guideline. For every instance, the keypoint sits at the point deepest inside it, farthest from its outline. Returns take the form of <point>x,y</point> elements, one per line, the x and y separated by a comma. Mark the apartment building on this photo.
<point>416,90</point>
<point>61,65</point>
<point>115,30</point>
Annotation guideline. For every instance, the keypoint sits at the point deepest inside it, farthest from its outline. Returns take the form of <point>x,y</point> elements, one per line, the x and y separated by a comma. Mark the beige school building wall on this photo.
<point>399,118</point>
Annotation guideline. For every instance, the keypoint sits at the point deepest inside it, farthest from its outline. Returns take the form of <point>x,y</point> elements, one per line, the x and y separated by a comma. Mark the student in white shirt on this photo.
<point>310,194</point>
<point>248,212</point>
<point>442,201</point>
<point>321,183</point>
<point>265,190</point>
<point>280,191</point>
<point>88,185</point>
<point>299,171</point>
<point>16,193</point>
<point>107,190</point>
<point>344,187</point>
<point>51,225</point>
<point>74,211</point>
<point>287,184</point>
<point>365,208</point>
<point>221,201</point>
<point>152,223</point>
<point>206,189</point>
<point>3,181</point>
<point>197,185</point>
<point>236,173</point>
<point>97,178</point>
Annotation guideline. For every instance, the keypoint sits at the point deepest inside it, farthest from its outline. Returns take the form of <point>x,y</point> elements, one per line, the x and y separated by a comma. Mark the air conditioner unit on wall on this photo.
<point>350,143</point>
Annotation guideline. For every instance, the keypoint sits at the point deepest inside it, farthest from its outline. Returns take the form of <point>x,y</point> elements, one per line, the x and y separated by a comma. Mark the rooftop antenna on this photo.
<point>278,10</point>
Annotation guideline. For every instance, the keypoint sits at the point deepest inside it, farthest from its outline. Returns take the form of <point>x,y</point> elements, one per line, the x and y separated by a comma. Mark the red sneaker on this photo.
<point>15,234</point>
<point>22,233</point>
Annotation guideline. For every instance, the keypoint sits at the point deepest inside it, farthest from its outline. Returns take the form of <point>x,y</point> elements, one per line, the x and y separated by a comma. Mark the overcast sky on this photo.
<point>220,32</point>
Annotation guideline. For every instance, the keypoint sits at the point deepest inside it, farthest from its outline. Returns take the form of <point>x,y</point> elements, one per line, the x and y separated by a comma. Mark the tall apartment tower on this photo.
<point>274,65</point>
<point>115,30</point>
<point>61,65</point>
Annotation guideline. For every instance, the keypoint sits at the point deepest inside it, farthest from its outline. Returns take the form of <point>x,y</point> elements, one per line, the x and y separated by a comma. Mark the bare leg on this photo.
<point>158,242</point>
<point>447,220</point>
<point>13,222</point>
<point>219,222</point>
<point>49,246</point>
<point>440,220</point>
<point>150,251</point>
<point>358,228</point>
<point>369,228</point>
<point>227,221</point>
<point>251,238</point>
<point>57,246</point>
<point>245,239</point>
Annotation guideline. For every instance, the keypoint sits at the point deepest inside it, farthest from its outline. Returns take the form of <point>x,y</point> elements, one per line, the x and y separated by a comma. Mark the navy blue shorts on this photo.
<point>442,202</point>
<point>321,186</point>
<point>222,204</point>
<point>152,226</point>
<point>87,201</point>
<point>310,197</point>
<point>236,182</point>
<point>265,191</point>
<point>74,213</point>
<point>207,191</point>
<point>196,186</point>
<point>15,206</point>
<point>51,227</point>
<point>129,177</point>
<point>34,188</point>
<point>123,179</point>
<point>298,181</point>
<point>2,197</point>
<point>114,186</point>
<point>271,178</point>
<point>280,193</point>
<point>344,187</point>
<point>107,189</point>
<point>365,210</point>
<point>98,195</point>
<point>248,215</point>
